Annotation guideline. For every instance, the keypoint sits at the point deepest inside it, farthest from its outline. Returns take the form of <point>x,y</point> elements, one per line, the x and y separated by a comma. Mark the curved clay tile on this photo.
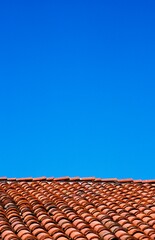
<point>76,209</point>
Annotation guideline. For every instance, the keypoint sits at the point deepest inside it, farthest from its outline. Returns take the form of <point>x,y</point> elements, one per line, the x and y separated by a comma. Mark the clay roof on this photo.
<point>77,209</point>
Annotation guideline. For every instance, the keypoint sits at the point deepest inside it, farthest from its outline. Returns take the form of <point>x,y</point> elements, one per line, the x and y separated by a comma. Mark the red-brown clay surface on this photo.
<point>78,209</point>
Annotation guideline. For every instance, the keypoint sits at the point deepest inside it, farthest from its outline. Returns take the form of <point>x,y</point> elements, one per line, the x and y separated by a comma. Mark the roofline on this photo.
<point>78,179</point>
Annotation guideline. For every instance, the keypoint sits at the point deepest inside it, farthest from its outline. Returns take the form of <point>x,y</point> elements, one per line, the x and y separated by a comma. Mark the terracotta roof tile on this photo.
<point>75,179</point>
<point>3,178</point>
<point>76,208</point>
<point>23,179</point>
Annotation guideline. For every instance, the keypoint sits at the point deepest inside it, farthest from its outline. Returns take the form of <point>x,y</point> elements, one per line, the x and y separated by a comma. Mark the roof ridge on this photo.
<point>70,179</point>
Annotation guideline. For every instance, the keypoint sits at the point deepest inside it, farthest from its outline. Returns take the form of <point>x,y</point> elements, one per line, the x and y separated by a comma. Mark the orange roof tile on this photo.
<point>76,208</point>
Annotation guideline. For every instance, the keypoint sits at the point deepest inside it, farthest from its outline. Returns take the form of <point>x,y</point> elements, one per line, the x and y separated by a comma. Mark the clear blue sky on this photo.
<point>77,88</point>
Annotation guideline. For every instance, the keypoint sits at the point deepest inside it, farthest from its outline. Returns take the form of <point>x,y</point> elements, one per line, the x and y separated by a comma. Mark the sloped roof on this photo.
<point>77,209</point>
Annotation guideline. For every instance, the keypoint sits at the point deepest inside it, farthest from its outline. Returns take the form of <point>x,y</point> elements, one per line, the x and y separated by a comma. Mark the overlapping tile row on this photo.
<point>87,209</point>
<point>73,179</point>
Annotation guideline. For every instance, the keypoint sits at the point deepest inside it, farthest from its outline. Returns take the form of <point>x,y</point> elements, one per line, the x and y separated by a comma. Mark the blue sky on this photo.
<point>77,88</point>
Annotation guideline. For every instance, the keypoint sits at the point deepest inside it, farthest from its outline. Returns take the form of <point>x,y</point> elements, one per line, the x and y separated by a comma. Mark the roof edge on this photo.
<point>78,179</point>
